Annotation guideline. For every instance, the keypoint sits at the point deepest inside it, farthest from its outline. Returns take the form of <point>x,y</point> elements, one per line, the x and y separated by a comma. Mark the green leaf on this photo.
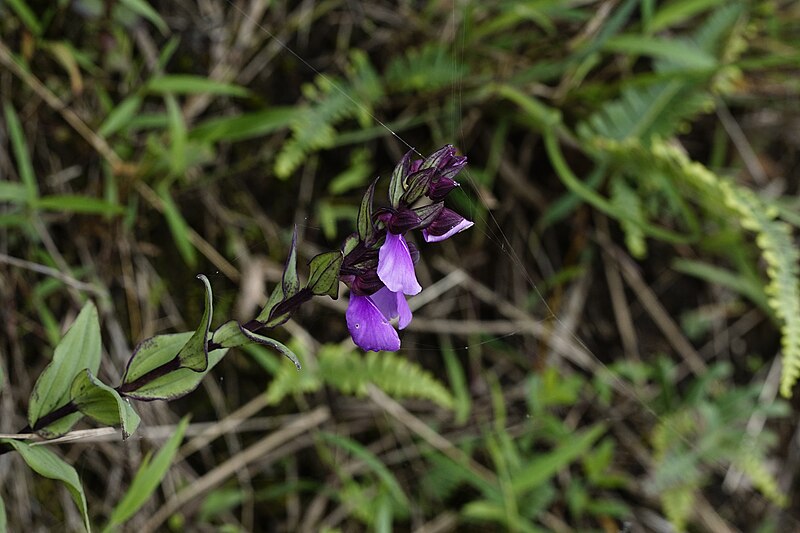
<point>364,220</point>
<point>20,148</point>
<point>177,135</point>
<point>73,203</point>
<point>120,116</point>
<point>177,383</point>
<point>3,522</point>
<point>194,354</point>
<point>323,275</point>
<point>243,127</point>
<point>177,225</point>
<point>13,192</point>
<point>397,181</point>
<point>48,464</point>
<point>78,350</point>
<point>147,479</point>
<point>545,466</point>
<point>188,84</point>
<point>272,343</point>
<point>676,51</point>
<point>26,15</point>
<point>97,400</point>
<point>146,11</point>
<point>274,299</point>
<point>350,243</point>
<point>291,283</point>
<point>373,463</point>
<point>153,353</point>
<point>678,11</point>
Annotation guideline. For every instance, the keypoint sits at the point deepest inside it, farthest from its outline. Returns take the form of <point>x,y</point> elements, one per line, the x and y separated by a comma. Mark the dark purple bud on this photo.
<point>440,158</point>
<point>453,167</point>
<point>366,283</point>
<point>402,220</point>
<point>447,224</point>
<point>415,165</point>
<point>441,188</point>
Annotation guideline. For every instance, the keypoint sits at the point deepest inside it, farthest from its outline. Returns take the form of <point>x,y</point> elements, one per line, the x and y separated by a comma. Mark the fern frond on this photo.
<point>330,101</point>
<point>646,112</point>
<point>288,380</point>
<point>751,462</point>
<point>426,69</point>
<point>395,375</point>
<point>350,373</point>
<point>626,200</point>
<point>773,237</point>
<point>678,503</point>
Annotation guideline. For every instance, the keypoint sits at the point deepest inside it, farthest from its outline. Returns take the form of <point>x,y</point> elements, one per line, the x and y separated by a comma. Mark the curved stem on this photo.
<point>599,201</point>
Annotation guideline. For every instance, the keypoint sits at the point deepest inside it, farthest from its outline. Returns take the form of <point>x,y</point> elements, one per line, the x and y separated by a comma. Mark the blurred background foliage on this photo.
<point>606,350</point>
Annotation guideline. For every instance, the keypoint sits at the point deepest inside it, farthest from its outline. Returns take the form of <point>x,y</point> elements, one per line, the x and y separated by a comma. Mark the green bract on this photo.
<point>77,351</point>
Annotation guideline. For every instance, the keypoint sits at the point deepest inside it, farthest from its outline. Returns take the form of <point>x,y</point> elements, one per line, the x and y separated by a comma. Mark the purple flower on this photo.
<point>368,319</point>
<point>396,267</point>
<point>447,224</point>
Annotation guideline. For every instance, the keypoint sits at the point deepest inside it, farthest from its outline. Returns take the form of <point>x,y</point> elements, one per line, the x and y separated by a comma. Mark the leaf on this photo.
<point>679,52</point>
<point>3,522</point>
<point>647,112</point>
<point>146,11</point>
<point>153,353</point>
<point>243,127</point>
<point>78,350</point>
<point>97,400</point>
<point>290,281</point>
<point>178,382</point>
<point>48,464</point>
<point>120,116</point>
<point>350,373</point>
<point>364,220</point>
<point>147,479</point>
<point>232,335</point>
<point>177,135</point>
<point>373,463</point>
<point>194,354</point>
<point>64,53</point>
<point>26,15</point>
<point>188,84</point>
<point>73,203</point>
<point>272,343</point>
<point>678,11</point>
<point>20,148</point>
<point>397,181</point>
<point>274,299</point>
<point>323,277</point>
<point>12,192</point>
<point>177,225</point>
<point>545,466</point>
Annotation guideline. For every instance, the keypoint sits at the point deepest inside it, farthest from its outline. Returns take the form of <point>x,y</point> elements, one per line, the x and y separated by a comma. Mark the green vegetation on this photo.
<point>615,343</point>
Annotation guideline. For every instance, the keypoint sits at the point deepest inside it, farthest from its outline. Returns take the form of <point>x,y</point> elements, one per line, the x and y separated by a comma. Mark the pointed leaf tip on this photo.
<point>291,283</point>
<point>364,221</point>
<point>194,354</point>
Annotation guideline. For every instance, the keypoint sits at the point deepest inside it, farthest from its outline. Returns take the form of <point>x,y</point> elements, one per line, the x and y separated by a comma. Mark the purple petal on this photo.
<point>386,302</point>
<point>403,311</point>
<point>368,327</point>
<point>392,305</point>
<point>395,267</point>
<point>447,224</point>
